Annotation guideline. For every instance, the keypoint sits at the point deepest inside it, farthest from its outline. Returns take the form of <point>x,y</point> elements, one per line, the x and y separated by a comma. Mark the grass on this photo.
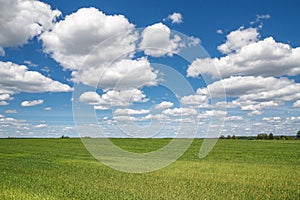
<point>235,169</point>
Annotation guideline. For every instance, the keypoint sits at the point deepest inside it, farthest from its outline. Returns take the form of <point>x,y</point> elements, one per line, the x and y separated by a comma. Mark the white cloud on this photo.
<point>238,39</point>
<point>234,118</point>
<point>84,40</point>
<point>180,112</point>
<point>21,20</point>
<point>113,98</point>
<point>257,58</point>
<point>215,113</point>
<point>3,103</point>
<point>157,41</point>
<point>71,40</point>
<point>196,101</point>
<point>124,74</point>
<point>219,31</point>
<point>254,93</point>
<point>41,126</point>
<point>11,111</point>
<point>48,108</point>
<point>164,105</point>
<point>128,111</point>
<point>296,103</point>
<point>175,18</point>
<point>5,97</point>
<point>32,103</point>
<point>16,78</point>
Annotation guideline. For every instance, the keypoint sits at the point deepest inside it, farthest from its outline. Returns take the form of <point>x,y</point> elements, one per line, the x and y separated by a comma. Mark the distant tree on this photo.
<point>262,136</point>
<point>64,137</point>
<point>228,137</point>
<point>298,135</point>
<point>222,137</point>
<point>271,136</point>
<point>233,137</point>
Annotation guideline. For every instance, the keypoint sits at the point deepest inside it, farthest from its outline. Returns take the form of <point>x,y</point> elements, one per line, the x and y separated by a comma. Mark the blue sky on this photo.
<point>149,69</point>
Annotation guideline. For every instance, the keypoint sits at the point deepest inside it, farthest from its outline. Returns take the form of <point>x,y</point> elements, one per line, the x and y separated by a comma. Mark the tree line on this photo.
<point>263,136</point>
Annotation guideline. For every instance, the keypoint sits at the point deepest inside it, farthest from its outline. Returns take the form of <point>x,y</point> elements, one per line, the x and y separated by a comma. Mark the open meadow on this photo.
<point>235,169</point>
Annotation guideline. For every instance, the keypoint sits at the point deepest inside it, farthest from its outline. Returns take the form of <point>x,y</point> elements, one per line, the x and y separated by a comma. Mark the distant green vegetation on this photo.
<point>235,169</point>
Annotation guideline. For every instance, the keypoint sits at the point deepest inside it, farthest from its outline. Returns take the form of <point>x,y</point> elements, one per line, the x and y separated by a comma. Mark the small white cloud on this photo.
<point>40,126</point>
<point>180,112</point>
<point>3,103</point>
<point>130,112</point>
<point>220,31</point>
<point>32,103</point>
<point>164,105</point>
<point>30,64</point>
<point>11,111</point>
<point>175,18</point>
<point>48,108</point>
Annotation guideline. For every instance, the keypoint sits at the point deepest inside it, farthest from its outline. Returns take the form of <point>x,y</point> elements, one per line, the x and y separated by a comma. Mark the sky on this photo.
<point>109,68</point>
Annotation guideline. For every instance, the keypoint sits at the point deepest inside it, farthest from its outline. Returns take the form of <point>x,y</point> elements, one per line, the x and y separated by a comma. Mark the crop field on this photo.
<point>234,169</point>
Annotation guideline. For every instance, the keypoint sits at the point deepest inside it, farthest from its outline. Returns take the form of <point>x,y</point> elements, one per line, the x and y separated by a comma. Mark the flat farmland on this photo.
<point>234,169</point>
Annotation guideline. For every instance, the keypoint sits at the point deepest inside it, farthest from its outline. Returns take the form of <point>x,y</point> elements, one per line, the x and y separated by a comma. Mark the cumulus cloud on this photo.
<point>157,41</point>
<point>17,78</point>
<point>255,88</point>
<point>219,31</point>
<point>180,112</point>
<point>296,103</point>
<point>175,18</point>
<point>84,40</point>
<point>113,98</point>
<point>71,40</point>
<point>123,74</point>
<point>238,39</point>
<point>40,126</point>
<point>32,103</point>
<point>195,101</point>
<point>164,105</point>
<point>250,58</point>
<point>21,20</point>
<point>128,111</point>
<point>48,108</point>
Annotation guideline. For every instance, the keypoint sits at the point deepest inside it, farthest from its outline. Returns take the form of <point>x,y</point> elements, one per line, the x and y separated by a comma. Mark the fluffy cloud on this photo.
<point>180,112</point>
<point>164,105</point>
<point>157,41</point>
<point>256,58</point>
<point>124,74</point>
<point>21,20</point>
<point>84,43</point>
<point>16,78</point>
<point>71,40</point>
<point>195,101</point>
<point>32,103</point>
<point>175,18</point>
<point>113,98</point>
<point>296,103</point>
<point>128,111</point>
<point>255,88</point>
<point>238,39</point>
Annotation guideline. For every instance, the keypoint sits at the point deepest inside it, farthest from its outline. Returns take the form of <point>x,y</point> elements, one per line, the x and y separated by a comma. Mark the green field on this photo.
<point>235,169</point>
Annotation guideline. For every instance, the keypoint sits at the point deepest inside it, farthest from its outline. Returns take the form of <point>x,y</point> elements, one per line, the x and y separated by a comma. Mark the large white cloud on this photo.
<point>17,78</point>
<point>254,93</point>
<point>21,20</point>
<point>157,41</point>
<point>164,105</point>
<point>99,47</point>
<point>180,112</point>
<point>124,74</point>
<point>256,58</point>
<point>113,98</point>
